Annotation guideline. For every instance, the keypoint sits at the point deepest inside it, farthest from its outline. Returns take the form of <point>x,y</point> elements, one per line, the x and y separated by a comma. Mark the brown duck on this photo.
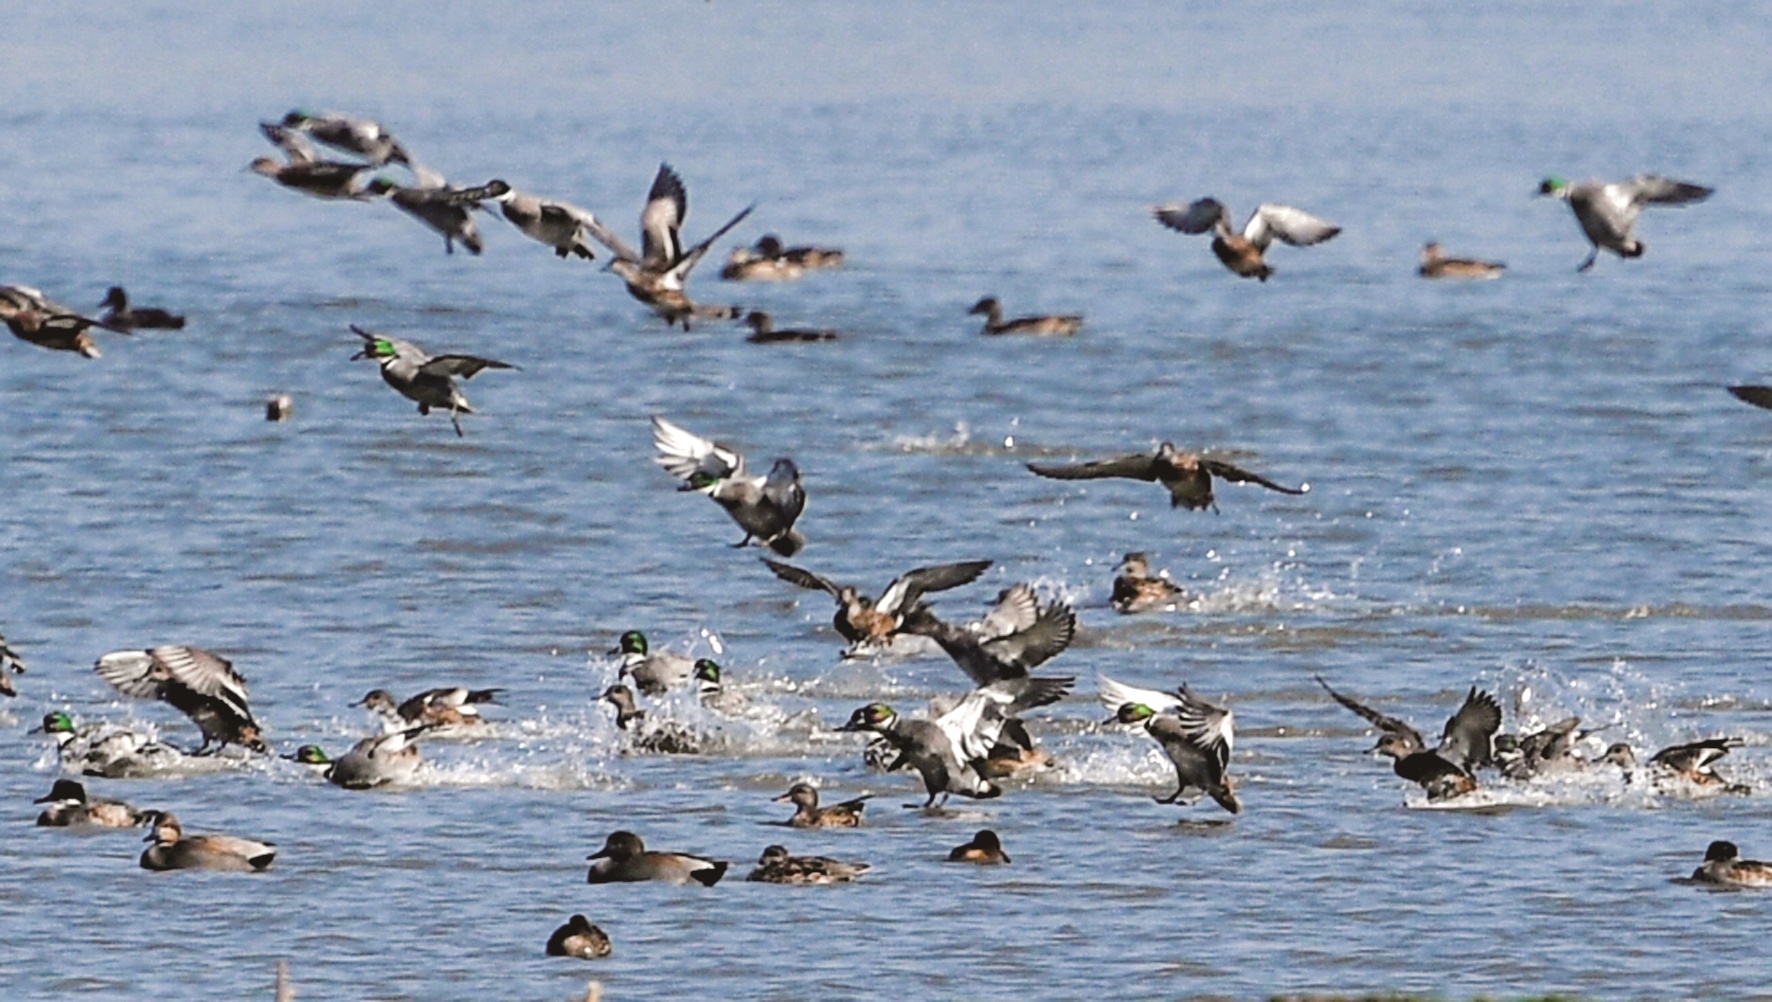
<point>1242,252</point>
<point>1186,475</point>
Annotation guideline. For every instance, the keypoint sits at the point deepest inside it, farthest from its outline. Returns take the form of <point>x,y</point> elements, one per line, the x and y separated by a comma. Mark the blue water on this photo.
<point>1536,485</point>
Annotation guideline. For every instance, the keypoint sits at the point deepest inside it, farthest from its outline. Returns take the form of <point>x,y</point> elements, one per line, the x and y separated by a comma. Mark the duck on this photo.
<point>456,706</point>
<point>861,619</point>
<point>711,691</point>
<point>1608,211</point>
<point>745,264</point>
<point>1136,589</point>
<point>807,813</point>
<point>10,664</point>
<point>579,938</point>
<point>377,760</point>
<point>946,751</point>
<point>119,315</point>
<point>985,849</point>
<point>34,318</point>
<point>1243,253</point>
<point>763,331</point>
<point>366,138</point>
<point>653,737</point>
<point>625,859</point>
<point>1723,865</point>
<point>1187,476</point>
<point>303,170</point>
<point>654,672</point>
<point>200,684</point>
<point>1465,746</point>
<point>107,750</point>
<point>657,275</point>
<point>561,225</point>
<point>987,658</point>
<point>427,379</point>
<point>777,866</point>
<point>1435,264</point>
<point>765,507</point>
<point>69,807</point>
<point>1196,735</point>
<point>439,205</point>
<point>1042,326</point>
<point>174,850</point>
<point>1549,749</point>
<point>1692,763</point>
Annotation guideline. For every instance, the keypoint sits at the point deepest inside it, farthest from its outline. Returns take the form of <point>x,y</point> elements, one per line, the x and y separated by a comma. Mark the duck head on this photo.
<point>1135,564</point>
<point>707,672</point>
<point>1721,852</point>
<point>1554,187</point>
<point>773,854</point>
<point>310,755</point>
<point>117,299</point>
<point>1396,746</point>
<point>631,642</point>
<point>166,829</point>
<point>65,791</point>
<point>984,306</point>
<point>55,723</point>
<point>769,246</point>
<point>800,795</point>
<point>379,701</point>
<point>872,717</point>
<point>1131,713</point>
<point>1620,754</point>
<point>622,698</point>
<point>619,846</point>
<point>376,347</point>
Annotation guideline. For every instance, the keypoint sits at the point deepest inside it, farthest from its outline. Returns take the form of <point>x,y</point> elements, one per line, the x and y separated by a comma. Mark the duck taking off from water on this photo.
<point>863,620</point>
<point>1197,736</point>
<point>1186,475</point>
<point>1243,253</point>
<point>427,379</point>
<point>1465,746</point>
<point>765,507</point>
<point>656,276</point>
<point>200,684</point>
<point>1608,211</point>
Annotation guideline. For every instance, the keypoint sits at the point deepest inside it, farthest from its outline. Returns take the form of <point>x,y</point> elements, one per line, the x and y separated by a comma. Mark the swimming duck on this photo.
<point>807,813</point>
<point>174,850</point>
<point>441,206</point>
<point>769,261</point>
<point>1723,865</point>
<point>70,807</point>
<point>1691,763</point>
<point>625,859</point>
<point>946,751</point>
<point>766,508</point>
<point>376,760</point>
<point>1242,254</point>
<point>561,225</point>
<point>656,276</point>
<point>985,658</point>
<point>427,379</point>
<point>106,750</point>
<point>304,171</point>
<point>1608,212</point>
<point>985,849</point>
<point>655,737</point>
<point>655,672</point>
<point>1186,475</point>
<point>860,619</point>
<point>763,331</point>
<point>351,134</point>
<point>448,707</point>
<point>1136,589</point>
<point>1435,264</point>
<point>579,938</point>
<point>119,315</point>
<point>1198,738</point>
<point>1465,745</point>
<point>10,664</point>
<point>776,866</point>
<point>35,318</point>
<point>198,683</point>
<point>1044,326</point>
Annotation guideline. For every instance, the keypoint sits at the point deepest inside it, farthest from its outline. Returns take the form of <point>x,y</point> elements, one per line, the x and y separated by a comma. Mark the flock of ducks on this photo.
<point>970,744</point>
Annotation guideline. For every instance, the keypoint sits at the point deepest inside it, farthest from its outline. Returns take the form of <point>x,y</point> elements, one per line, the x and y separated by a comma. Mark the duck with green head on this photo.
<point>1608,210</point>
<point>427,379</point>
<point>655,672</point>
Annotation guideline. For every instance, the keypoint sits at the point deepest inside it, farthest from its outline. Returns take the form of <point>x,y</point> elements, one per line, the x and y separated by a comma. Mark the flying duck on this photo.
<point>1692,763</point>
<point>376,760</point>
<point>450,707</point>
<point>987,658</point>
<point>198,683</point>
<point>1608,211</point>
<point>1044,326</point>
<point>1136,589</point>
<point>765,507</point>
<point>174,850</point>
<point>561,225</point>
<point>441,206</point>
<point>776,866</point>
<point>70,807</point>
<point>656,276</point>
<point>625,859</point>
<point>807,813</point>
<point>351,134</point>
<point>1242,253</point>
<point>427,379</point>
<point>304,171</point>
<point>1197,736</point>
<point>1186,475</point>
<point>1465,745</point>
<point>861,619</point>
<point>1435,264</point>
<point>35,318</point>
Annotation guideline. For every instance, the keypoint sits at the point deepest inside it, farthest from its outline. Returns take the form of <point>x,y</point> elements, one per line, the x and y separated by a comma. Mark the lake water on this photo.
<point>1535,485</point>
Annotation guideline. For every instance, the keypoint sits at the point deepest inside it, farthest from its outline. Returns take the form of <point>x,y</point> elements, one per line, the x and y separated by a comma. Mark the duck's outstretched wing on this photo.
<point>682,266</point>
<point>783,491</point>
<point>1115,694</point>
<point>661,221</point>
<point>1017,608</point>
<point>975,723</point>
<point>697,461</point>
<point>1390,725</point>
<point>295,146</point>
<point>1052,632</point>
<point>1468,740</point>
<point>907,588</point>
<point>805,579</point>
<point>461,365</point>
<point>1237,475</point>
<point>1293,226</point>
<point>1137,467</point>
<point>1195,217</point>
<point>1652,189</point>
<point>1210,728</point>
